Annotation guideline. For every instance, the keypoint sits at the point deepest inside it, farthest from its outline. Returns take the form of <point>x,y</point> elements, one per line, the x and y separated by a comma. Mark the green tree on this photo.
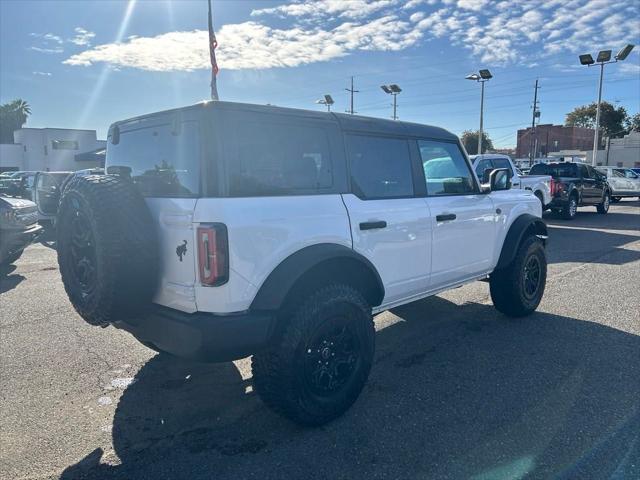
<point>470,141</point>
<point>633,123</point>
<point>13,115</point>
<point>612,120</point>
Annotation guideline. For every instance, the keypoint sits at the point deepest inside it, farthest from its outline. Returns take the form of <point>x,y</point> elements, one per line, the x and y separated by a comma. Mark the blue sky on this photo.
<point>85,64</point>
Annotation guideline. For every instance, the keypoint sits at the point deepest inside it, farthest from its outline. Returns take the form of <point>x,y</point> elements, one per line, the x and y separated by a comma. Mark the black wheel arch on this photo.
<point>523,226</point>
<point>317,264</point>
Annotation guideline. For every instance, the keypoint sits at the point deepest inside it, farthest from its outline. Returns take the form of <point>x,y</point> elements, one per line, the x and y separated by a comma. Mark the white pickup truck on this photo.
<point>540,185</point>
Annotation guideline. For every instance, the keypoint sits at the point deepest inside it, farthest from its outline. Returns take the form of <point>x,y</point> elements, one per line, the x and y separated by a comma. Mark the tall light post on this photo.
<point>394,90</point>
<point>483,76</point>
<point>604,58</point>
<point>327,100</point>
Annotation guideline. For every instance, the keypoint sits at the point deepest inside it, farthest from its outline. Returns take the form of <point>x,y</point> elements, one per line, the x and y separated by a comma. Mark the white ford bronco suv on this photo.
<point>224,230</point>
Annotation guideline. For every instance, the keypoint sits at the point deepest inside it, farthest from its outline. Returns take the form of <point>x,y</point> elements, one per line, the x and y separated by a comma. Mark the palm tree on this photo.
<point>13,115</point>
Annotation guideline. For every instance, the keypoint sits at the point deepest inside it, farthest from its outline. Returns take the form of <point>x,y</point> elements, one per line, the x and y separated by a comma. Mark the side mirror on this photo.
<point>499,179</point>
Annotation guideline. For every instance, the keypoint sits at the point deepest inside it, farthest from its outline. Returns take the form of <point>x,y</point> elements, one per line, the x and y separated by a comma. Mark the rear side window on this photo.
<point>279,159</point>
<point>162,160</point>
<point>380,167</point>
<point>501,163</point>
<point>445,169</point>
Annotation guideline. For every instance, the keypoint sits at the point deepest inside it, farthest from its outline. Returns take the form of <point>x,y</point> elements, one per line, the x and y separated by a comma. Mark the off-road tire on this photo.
<point>570,209</point>
<point>112,275</point>
<point>603,207</point>
<point>281,373</point>
<point>508,285</point>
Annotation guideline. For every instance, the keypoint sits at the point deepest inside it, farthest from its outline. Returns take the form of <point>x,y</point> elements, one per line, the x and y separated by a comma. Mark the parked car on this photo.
<point>538,184</point>
<point>18,184</point>
<point>18,227</point>
<point>575,185</point>
<point>623,182</point>
<point>46,195</point>
<point>225,230</point>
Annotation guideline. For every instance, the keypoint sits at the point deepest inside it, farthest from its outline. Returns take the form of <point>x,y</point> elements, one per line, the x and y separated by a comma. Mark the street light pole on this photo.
<point>595,133</point>
<point>395,106</point>
<point>394,90</point>
<point>481,115</point>
<point>604,58</point>
<point>483,76</point>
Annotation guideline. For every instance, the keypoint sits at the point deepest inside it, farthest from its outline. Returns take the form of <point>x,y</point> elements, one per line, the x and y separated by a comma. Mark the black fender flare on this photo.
<point>273,292</point>
<point>524,224</point>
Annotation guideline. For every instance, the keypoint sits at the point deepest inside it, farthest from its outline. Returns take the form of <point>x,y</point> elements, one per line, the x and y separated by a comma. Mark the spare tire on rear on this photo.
<point>107,248</point>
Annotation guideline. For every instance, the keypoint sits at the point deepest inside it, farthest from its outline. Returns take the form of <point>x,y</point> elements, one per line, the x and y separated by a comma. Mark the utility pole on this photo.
<point>351,91</point>
<point>533,124</point>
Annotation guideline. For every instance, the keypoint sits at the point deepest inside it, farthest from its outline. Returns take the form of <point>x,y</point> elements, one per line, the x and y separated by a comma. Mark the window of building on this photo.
<point>64,145</point>
<point>281,159</point>
<point>445,169</point>
<point>380,167</point>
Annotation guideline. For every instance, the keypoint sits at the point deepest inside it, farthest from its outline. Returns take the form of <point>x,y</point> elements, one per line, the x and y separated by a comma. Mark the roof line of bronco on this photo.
<point>355,123</point>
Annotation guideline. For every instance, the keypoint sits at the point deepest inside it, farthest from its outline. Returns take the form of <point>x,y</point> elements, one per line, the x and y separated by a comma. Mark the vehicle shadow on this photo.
<point>611,221</point>
<point>48,238</point>
<point>8,279</point>
<point>456,392</point>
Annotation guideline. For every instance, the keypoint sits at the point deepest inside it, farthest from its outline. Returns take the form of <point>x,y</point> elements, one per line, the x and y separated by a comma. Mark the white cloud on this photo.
<point>320,8</point>
<point>48,37</point>
<point>475,5</point>
<point>496,33</point>
<point>83,37</point>
<point>251,45</point>
<point>47,50</point>
<point>42,74</point>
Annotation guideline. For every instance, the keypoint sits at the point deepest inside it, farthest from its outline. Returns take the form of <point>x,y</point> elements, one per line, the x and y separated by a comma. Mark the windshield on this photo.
<point>162,162</point>
<point>555,170</point>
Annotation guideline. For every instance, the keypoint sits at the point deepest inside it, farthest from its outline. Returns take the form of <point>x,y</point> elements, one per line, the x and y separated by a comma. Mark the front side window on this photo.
<point>380,167</point>
<point>445,169</point>
<point>279,159</point>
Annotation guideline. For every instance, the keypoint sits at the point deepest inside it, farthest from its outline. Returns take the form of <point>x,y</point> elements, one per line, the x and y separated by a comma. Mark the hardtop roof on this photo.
<point>354,123</point>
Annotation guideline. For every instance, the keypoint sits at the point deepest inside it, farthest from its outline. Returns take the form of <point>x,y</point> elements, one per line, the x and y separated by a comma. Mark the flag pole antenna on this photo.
<point>213,44</point>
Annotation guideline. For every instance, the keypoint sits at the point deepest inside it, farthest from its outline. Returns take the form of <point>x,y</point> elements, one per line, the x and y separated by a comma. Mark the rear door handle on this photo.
<point>446,217</point>
<point>373,225</point>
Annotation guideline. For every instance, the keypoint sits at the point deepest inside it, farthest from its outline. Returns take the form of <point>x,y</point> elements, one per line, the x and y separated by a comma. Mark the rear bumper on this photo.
<point>201,336</point>
<point>12,241</point>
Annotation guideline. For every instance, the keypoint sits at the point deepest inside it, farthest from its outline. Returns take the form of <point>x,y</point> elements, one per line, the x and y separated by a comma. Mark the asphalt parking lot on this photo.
<point>457,390</point>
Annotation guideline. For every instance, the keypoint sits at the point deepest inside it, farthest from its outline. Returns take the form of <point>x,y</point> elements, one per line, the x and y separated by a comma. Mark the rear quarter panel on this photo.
<point>263,231</point>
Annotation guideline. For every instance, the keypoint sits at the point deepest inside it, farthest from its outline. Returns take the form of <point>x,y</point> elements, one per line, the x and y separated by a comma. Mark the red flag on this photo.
<point>213,44</point>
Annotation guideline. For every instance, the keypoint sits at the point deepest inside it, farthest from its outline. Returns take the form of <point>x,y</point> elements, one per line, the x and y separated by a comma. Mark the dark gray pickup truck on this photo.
<point>18,227</point>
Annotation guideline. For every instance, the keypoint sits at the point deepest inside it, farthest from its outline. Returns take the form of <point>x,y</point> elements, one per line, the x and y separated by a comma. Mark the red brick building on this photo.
<point>552,138</point>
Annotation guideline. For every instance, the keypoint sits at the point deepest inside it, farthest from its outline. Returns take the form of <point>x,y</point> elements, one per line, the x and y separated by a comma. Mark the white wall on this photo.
<point>11,156</point>
<point>623,152</point>
<point>40,153</point>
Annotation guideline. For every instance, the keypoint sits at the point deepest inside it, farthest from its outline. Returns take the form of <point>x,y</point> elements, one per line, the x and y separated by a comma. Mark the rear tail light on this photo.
<point>213,254</point>
<point>556,187</point>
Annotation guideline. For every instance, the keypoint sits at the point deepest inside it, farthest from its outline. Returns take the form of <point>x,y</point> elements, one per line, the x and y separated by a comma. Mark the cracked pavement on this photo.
<point>457,390</point>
